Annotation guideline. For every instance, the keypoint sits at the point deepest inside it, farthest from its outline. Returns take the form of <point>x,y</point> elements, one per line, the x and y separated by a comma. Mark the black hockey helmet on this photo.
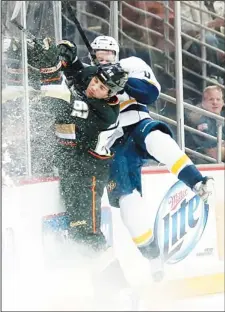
<point>82,78</point>
<point>113,76</point>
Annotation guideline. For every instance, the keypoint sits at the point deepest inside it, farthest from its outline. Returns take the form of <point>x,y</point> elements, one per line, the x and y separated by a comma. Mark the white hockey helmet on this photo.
<point>106,43</point>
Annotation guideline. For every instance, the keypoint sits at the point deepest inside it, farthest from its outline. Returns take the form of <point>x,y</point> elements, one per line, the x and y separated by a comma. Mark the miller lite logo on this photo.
<point>180,222</point>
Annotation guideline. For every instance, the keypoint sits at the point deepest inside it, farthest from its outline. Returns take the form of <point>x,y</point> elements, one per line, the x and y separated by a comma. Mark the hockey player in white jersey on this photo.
<point>138,138</point>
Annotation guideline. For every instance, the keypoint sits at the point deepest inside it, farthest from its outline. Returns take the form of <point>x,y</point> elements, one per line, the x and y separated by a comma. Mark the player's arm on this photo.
<point>67,52</point>
<point>142,84</point>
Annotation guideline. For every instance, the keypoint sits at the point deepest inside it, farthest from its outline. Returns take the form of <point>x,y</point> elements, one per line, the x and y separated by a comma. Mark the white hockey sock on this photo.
<point>134,215</point>
<point>165,149</point>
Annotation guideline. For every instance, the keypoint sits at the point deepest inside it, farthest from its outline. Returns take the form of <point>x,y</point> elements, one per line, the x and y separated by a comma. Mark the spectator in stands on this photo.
<point>212,101</point>
<point>191,12</point>
<point>217,7</point>
<point>154,21</point>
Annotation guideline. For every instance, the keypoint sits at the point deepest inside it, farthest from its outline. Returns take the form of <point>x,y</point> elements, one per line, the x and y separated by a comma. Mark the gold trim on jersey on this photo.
<point>144,238</point>
<point>127,102</point>
<point>153,83</point>
<point>183,160</point>
<point>65,128</point>
<point>65,131</point>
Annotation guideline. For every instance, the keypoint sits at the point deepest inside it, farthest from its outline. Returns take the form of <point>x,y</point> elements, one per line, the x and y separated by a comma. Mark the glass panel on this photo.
<point>13,110</point>
<point>146,29</point>
<point>24,122</point>
<point>94,17</point>
<point>40,22</point>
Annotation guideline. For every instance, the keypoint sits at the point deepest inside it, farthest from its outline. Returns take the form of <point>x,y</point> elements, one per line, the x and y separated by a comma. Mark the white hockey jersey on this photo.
<point>131,110</point>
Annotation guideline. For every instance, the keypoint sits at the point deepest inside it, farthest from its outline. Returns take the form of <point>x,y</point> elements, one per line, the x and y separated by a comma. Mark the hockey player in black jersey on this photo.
<point>82,126</point>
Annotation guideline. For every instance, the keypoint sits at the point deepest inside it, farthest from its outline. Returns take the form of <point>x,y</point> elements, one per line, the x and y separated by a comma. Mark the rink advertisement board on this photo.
<point>190,233</point>
<point>190,227</point>
<point>180,222</point>
<point>184,225</point>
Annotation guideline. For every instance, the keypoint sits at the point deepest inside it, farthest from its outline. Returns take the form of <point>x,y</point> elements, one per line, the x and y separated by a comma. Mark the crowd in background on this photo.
<point>144,33</point>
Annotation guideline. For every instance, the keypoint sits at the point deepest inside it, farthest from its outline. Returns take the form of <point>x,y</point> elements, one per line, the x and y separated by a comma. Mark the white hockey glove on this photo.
<point>205,188</point>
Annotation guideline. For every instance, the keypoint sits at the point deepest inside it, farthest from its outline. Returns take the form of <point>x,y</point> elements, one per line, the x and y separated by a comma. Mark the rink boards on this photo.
<point>191,234</point>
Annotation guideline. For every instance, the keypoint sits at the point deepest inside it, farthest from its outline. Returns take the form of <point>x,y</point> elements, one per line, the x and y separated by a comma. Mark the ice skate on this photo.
<point>157,269</point>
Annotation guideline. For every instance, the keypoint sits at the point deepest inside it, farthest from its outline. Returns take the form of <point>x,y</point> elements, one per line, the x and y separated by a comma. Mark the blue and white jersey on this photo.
<point>142,89</point>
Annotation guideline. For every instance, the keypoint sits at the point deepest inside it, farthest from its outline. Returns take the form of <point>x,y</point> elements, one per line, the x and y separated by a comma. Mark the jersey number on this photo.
<point>147,75</point>
<point>80,109</point>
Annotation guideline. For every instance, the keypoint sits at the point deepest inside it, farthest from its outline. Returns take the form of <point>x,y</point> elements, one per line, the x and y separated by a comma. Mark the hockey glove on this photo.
<point>44,57</point>
<point>67,51</point>
<point>205,188</point>
<point>71,65</point>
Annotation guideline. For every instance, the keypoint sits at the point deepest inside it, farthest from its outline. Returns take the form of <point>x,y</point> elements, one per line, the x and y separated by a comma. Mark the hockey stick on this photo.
<point>34,39</point>
<point>13,20</point>
<point>25,31</point>
<point>68,6</point>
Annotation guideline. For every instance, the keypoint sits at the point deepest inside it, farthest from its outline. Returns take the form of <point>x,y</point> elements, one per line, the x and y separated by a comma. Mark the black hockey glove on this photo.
<point>44,57</point>
<point>67,51</point>
<point>71,65</point>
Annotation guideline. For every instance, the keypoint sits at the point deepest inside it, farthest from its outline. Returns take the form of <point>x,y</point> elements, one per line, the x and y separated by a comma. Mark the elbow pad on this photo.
<point>143,91</point>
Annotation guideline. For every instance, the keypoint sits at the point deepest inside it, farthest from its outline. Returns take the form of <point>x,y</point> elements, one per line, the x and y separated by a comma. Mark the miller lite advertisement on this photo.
<point>184,226</point>
<point>180,222</point>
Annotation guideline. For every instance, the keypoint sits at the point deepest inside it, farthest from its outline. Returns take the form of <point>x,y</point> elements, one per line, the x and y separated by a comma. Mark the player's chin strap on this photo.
<point>114,100</point>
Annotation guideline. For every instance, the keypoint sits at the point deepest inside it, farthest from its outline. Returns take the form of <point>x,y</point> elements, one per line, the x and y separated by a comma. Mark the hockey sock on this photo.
<point>150,251</point>
<point>134,215</point>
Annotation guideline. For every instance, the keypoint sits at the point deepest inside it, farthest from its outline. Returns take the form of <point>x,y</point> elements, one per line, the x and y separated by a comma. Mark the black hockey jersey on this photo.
<point>82,123</point>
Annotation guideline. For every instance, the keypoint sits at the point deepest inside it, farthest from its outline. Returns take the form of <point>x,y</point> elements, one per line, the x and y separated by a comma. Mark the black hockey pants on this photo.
<point>82,181</point>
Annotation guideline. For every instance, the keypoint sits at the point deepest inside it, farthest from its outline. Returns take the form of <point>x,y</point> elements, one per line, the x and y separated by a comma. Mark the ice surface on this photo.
<point>65,283</point>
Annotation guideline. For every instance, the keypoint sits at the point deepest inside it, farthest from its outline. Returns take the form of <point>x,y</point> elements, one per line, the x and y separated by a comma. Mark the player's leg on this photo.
<point>124,191</point>
<point>133,208</point>
<point>108,283</point>
<point>100,177</point>
<point>131,203</point>
<point>81,191</point>
<point>155,138</point>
